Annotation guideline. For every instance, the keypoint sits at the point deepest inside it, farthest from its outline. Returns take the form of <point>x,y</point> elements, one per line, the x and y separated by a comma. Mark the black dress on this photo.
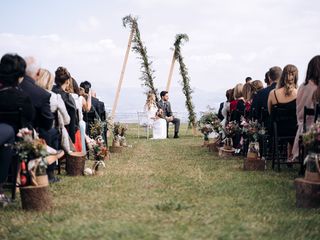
<point>288,125</point>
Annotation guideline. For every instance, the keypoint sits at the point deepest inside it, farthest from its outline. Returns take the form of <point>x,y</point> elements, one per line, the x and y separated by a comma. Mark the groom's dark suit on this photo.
<point>167,112</point>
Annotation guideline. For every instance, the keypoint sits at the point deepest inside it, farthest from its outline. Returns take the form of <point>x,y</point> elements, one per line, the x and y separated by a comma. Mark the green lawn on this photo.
<point>168,189</point>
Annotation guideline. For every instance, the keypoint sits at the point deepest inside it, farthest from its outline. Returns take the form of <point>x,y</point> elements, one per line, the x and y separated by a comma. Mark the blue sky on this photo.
<point>229,40</point>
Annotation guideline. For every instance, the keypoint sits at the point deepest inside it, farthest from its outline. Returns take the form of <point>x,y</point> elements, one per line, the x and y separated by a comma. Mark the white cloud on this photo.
<point>89,25</point>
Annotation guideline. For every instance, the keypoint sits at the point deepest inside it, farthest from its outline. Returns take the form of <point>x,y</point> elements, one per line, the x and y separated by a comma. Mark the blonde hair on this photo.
<point>257,85</point>
<point>287,84</point>
<point>45,79</point>
<point>247,91</point>
<point>238,91</point>
<point>150,100</point>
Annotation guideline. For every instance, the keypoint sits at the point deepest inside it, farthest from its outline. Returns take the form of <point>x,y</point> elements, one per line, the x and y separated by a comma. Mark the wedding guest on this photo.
<point>165,105</point>
<point>58,108</point>
<point>260,101</point>
<point>284,96</point>
<point>256,86</point>
<point>12,71</point>
<point>159,125</point>
<point>304,99</point>
<point>247,92</point>
<point>226,107</point>
<point>82,106</point>
<point>267,79</point>
<point>62,80</point>
<point>39,97</point>
<point>237,106</point>
<point>248,79</point>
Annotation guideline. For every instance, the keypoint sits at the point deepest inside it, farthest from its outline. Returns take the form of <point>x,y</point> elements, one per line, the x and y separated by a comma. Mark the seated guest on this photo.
<point>82,106</point>
<point>247,92</point>
<point>260,100</point>
<point>40,98</point>
<point>237,106</point>
<point>248,79</point>
<point>93,112</point>
<point>159,125</point>
<point>7,136</point>
<point>304,99</point>
<point>226,107</point>
<point>62,80</point>
<point>58,108</point>
<point>284,96</point>
<point>256,86</point>
<point>12,70</point>
<point>267,79</point>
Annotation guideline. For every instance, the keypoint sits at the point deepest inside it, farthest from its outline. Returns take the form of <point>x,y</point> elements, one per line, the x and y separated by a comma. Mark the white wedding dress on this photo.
<point>159,125</point>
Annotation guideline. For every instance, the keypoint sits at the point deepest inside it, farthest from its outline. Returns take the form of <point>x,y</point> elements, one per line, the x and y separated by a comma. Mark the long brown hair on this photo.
<point>313,71</point>
<point>285,82</point>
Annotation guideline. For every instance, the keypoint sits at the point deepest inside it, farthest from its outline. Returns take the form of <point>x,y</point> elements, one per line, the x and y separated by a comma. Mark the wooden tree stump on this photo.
<point>75,162</point>
<point>226,152</point>
<point>254,165</point>
<point>36,198</point>
<point>214,146</point>
<point>307,193</point>
<point>115,149</point>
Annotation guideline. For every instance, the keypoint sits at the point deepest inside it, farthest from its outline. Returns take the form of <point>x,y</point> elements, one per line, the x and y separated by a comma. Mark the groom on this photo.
<point>164,104</point>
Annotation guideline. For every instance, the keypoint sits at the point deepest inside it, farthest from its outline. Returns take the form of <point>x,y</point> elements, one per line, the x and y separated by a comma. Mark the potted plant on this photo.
<point>34,188</point>
<point>231,129</point>
<point>208,123</point>
<point>253,131</point>
<point>311,141</point>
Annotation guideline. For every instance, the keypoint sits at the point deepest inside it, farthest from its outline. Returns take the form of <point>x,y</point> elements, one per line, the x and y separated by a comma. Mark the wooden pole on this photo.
<point>171,72</point>
<point>116,99</point>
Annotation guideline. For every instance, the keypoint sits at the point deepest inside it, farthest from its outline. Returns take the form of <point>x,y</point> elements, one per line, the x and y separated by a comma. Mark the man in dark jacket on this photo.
<point>260,100</point>
<point>165,105</point>
<point>40,98</point>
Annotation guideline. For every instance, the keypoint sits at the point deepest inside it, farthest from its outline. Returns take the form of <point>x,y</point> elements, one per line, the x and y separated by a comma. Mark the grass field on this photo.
<point>168,189</point>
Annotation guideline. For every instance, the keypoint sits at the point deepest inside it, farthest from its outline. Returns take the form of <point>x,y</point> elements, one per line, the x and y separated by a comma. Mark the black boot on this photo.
<point>176,135</point>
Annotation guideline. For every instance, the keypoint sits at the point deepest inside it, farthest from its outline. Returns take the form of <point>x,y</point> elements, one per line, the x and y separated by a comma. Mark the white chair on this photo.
<point>143,122</point>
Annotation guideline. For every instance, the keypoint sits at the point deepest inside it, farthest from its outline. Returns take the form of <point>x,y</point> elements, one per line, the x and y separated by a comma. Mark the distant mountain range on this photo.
<point>133,99</point>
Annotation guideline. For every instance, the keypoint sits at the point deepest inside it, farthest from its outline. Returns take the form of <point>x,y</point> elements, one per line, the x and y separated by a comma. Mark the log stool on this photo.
<point>114,149</point>
<point>75,162</point>
<point>36,198</point>
<point>214,146</point>
<point>254,165</point>
<point>226,152</point>
<point>307,193</point>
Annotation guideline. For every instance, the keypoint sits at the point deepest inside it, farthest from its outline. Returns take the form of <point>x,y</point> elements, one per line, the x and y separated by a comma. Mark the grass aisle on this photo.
<point>171,189</point>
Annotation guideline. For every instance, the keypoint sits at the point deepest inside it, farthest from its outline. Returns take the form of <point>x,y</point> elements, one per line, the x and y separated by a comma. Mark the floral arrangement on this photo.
<point>208,123</point>
<point>29,147</point>
<point>119,133</point>
<point>311,139</point>
<point>231,129</point>
<point>97,128</point>
<point>32,152</point>
<point>252,129</point>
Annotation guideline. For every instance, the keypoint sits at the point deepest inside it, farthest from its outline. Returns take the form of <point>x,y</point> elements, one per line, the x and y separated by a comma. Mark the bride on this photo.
<point>155,120</point>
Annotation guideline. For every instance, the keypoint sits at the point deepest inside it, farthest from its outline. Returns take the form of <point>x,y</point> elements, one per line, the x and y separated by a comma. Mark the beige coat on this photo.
<point>304,98</point>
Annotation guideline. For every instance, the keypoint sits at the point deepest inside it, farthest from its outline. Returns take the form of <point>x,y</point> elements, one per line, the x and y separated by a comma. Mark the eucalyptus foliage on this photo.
<point>187,91</point>
<point>138,47</point>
